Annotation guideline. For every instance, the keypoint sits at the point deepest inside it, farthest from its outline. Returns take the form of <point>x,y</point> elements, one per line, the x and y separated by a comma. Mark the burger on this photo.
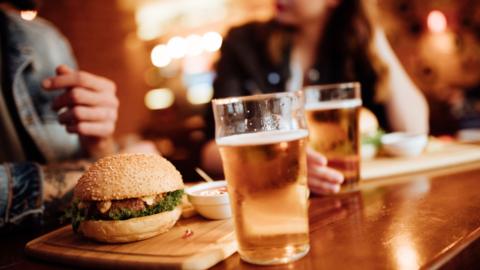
<point>370,134</point>
<point>127,197</point>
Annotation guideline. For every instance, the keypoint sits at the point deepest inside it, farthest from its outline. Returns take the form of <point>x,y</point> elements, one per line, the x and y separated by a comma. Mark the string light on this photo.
<point>178,47</point>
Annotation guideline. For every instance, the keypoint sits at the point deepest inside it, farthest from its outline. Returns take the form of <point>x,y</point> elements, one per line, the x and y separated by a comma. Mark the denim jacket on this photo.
<point>33,50</point>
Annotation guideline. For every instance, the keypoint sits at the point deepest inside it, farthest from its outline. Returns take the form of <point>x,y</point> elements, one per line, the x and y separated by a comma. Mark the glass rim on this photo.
<point>226,100</point>
<point>342,85</point>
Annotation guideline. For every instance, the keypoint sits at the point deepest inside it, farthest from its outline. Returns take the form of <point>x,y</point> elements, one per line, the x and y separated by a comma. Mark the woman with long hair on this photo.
<point>318,42</point>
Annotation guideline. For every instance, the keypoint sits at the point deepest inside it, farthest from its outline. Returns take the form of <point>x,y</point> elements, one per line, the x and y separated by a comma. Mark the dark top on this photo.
<point>245,68</point>
<point>470,114</point>
<point>447,118</point>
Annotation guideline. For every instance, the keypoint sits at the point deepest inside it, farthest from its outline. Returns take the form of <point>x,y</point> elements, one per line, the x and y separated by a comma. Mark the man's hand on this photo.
<point>88,108</point>
<point>322,179</point>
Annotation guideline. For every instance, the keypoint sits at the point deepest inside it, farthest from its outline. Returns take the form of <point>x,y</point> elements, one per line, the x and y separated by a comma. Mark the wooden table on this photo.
<point>423,220</point>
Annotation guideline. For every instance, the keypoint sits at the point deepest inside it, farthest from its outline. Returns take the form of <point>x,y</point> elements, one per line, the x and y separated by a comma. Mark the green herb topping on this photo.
<point>373,139</point>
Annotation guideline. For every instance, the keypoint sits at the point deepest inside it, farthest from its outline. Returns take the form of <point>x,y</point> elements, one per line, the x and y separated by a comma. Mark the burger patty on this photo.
<point>122,209</point>
<point>109,209</point>
<point>134,204</point>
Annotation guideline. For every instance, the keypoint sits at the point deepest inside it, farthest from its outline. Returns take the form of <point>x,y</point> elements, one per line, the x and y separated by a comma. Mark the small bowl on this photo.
<point>211,206</point>
<point>403,144</point>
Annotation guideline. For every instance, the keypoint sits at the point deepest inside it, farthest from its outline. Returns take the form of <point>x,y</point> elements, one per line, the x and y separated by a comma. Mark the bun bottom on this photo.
<point>134,229</point>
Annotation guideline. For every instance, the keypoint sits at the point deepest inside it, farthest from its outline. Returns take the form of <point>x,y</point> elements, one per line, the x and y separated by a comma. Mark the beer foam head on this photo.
<point>264,137</point>
<point>334,104</point>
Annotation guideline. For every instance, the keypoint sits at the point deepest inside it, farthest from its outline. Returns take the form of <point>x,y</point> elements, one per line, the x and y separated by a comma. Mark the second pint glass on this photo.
<point>262,141</point>
<point>332,113</point>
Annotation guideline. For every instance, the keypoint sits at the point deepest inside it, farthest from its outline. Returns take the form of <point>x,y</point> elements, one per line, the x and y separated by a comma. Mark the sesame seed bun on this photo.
<point>134,229</point>
<point>126,176</point>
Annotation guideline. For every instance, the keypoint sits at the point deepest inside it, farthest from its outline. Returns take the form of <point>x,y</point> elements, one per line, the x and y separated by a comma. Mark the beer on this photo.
<point>333,127</point>
<point>266,171</point>
<point>267,183</point>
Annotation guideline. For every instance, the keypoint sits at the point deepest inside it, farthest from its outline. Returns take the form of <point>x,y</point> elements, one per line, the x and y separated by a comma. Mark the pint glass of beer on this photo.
<point>262,141</point>
<point>332,113</point>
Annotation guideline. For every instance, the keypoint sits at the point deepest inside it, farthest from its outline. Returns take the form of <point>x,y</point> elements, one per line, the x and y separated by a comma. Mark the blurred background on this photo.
<point>161,55</point>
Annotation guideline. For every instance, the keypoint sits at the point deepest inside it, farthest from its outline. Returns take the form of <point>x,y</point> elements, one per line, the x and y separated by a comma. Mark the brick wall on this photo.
<point>102,35</point>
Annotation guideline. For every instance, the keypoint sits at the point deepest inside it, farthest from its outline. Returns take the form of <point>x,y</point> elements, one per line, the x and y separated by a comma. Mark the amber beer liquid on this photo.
<point>334,132</point>
<point>267,183</point>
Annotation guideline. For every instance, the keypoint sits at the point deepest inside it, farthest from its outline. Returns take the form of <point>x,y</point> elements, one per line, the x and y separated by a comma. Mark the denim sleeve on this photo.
<point>20,192</point>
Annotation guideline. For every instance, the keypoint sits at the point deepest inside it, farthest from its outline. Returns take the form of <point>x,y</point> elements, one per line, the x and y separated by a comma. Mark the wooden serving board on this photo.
<point>211,242</point>
<point>442,156</point>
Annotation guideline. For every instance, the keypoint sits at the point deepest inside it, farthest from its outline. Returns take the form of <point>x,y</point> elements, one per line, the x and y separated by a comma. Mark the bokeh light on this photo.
<point>148,21</point>
<point>211,41</point>
<point>194,45</point>
<point>160,98</point>
<point>146,33</point>
<point>200,93</point>
<point>28,15</point>
<point>160,56</point>
<point>436,21</point>
<point>176,47</point>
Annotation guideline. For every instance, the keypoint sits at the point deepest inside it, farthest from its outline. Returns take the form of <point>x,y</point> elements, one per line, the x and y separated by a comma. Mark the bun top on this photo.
<point>368,122</point>
<point>126,176</point>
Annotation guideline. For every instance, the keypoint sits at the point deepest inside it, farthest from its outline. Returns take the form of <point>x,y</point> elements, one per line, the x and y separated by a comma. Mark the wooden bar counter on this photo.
<point>418,221</point>
<point>423,220</point>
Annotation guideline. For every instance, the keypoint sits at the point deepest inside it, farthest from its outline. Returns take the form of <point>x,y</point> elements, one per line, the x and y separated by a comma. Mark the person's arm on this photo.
<point>88,108</point>
<point>406,106</point>
<point>26,188</point>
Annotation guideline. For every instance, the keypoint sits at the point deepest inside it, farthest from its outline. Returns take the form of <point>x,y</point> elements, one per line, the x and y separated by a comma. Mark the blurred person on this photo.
<point>50,112</point>
<point>455,111</point>
<point>317,42</point>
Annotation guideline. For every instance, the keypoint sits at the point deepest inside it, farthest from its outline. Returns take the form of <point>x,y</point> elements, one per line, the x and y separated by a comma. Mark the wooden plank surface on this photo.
<point>211,242</point>
<point>434,158</point>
